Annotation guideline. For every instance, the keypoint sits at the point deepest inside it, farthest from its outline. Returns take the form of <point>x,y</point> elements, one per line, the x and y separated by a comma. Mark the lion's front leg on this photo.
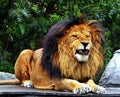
<point>75,86</point>
<point>96,88</point>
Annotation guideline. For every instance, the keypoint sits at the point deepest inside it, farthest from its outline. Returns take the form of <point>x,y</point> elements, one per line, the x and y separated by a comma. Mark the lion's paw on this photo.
<point>28,84</point>
<point>83,88</point>
<point>99,90</point>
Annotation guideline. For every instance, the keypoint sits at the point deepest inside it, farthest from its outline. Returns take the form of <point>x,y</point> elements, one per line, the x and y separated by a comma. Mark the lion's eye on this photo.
<point>74,36</point>
<point>87,36</point>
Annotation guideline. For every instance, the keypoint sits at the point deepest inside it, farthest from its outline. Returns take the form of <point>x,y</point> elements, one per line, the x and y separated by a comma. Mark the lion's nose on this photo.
<point>84,44</point>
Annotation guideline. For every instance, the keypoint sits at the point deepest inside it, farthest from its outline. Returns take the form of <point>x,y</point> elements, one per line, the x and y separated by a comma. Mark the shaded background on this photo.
<point>23,24</point>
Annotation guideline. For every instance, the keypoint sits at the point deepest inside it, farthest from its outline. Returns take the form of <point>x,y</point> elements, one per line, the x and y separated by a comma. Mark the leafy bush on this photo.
<point>23,24</point>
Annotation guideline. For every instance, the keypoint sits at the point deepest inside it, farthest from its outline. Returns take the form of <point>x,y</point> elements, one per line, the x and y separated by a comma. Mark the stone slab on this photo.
<point>18,91</point>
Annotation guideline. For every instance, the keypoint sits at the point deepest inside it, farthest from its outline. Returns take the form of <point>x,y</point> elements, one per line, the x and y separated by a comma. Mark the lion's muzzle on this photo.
<point>82,52</point>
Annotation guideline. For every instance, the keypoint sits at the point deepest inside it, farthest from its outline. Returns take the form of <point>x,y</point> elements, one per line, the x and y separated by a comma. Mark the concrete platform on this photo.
<point>18,91</point>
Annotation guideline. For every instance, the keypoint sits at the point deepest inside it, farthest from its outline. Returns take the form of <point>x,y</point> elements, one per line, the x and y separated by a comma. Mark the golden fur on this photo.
<point>69,59</point>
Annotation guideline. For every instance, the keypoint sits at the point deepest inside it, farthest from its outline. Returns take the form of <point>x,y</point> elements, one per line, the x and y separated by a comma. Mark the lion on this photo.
<point>70,58</point>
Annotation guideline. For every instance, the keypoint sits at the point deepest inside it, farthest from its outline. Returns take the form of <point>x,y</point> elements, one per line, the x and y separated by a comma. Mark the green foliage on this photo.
<point>23,24</point>
<point>5,61</point>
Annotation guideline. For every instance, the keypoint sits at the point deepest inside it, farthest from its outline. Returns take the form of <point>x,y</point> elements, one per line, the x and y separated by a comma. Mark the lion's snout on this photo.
<point>84,44</point>
<point>83,51</point>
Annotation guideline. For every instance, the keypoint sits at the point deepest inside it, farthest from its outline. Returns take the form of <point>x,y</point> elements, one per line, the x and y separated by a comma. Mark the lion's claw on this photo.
<point>81,90</point>
<point>28,84</point>
<point>99,90</point>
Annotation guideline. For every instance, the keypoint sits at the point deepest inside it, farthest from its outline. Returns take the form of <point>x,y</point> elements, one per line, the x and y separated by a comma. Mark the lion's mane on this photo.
<point>59,63</point>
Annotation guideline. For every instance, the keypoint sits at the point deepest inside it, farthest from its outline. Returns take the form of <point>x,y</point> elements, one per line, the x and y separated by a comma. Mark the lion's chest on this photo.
<point>77,72</point>
<point>69,67</point>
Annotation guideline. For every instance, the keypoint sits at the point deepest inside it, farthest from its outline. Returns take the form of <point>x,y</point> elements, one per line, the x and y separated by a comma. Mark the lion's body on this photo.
<point>69,59</point>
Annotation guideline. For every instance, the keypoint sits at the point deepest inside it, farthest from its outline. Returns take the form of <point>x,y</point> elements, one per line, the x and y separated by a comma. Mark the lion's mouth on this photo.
<point>82,51</point>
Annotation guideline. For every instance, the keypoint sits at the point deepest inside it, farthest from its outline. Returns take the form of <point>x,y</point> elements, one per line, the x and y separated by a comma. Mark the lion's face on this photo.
<point>79,41</point>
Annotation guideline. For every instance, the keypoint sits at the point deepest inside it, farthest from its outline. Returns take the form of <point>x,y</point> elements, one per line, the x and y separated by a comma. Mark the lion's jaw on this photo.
<point>81,58</point>
<point>82,53</point>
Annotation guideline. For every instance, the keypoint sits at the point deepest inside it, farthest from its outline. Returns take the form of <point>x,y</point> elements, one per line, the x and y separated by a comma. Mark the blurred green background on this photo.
<point>24,23</point>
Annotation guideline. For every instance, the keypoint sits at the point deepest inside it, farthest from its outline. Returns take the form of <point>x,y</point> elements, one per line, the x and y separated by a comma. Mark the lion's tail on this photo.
<point>10,82</point>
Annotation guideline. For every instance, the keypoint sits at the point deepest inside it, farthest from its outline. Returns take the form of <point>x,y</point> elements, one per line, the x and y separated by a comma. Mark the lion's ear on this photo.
<point>89,22</point>
<point>95,25</point>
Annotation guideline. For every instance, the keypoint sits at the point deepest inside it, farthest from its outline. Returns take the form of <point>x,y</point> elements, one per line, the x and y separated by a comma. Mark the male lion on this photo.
<point>70,57</point>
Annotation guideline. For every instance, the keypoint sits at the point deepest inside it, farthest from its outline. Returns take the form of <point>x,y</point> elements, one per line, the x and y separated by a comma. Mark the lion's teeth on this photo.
<point>82,52</point>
